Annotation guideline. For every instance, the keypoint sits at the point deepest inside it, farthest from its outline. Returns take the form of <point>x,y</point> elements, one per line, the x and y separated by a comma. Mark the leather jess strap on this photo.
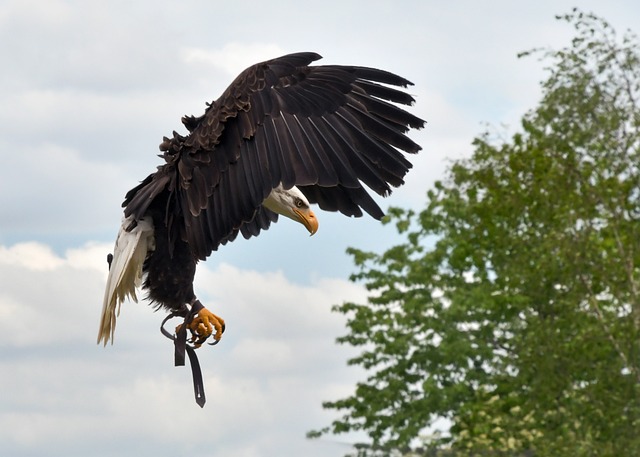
<point>181,346</point>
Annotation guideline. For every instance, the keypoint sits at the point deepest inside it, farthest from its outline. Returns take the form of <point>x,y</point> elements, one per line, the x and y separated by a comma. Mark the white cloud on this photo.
<point>32,255</point>
<point>267,378</point>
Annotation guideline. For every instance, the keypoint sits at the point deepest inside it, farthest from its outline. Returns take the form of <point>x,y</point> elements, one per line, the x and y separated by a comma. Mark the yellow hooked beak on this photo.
<point>308,219</point>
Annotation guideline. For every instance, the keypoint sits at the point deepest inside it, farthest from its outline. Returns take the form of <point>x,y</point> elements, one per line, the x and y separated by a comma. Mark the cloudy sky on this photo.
<point>88,89</point>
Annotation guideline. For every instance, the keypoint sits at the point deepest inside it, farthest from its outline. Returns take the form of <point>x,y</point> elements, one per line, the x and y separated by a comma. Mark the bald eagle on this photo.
<point>282,136</point>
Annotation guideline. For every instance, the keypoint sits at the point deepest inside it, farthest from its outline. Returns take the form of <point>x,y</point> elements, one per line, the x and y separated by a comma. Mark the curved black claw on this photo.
<point>214,342</point>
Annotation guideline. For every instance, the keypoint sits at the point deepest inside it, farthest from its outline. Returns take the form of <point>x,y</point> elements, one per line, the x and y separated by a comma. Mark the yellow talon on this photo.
<point>202,327</point>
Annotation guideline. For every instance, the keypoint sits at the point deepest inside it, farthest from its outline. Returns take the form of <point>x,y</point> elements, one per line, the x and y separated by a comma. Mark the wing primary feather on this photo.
<point>215,214</point>
<point>233,195</point>
<point>277,159</point>
<point>240,193</point>
<point>349,202</point>
<point>327,175</point>
<point>381,131</point>
<point>385,93</point>
<point>310,102</point>
<point>324,94</point>
<point>285,149</point>
<point>382,76</point>
<point>378,150</point>
<point>364,169</point>
<point>212,220</point>
<point>254,174</point>
<point>221,209</point>
<point>332,199</point>
<point>304,162</point>
<point>399,118</point>
<point>362,198</point>
<point>266,164</point>
<point>346,174</point>
<point>330,79</point>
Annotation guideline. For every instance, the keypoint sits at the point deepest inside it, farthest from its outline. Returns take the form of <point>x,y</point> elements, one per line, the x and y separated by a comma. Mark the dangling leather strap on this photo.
<point>196,372</point>
<point>181,346</point>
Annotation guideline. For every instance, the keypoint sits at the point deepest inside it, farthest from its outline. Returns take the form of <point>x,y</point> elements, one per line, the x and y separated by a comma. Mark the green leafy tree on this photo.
<point>513,308</point>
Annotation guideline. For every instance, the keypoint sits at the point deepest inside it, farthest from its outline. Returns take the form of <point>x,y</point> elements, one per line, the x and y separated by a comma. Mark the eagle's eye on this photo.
<point>300,203</point>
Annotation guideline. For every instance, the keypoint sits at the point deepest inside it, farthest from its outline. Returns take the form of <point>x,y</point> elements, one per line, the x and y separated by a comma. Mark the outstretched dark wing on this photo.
<point>329,130</point>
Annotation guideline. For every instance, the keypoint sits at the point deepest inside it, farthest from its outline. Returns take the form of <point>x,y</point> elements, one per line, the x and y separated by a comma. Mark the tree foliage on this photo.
<point>513,307</point>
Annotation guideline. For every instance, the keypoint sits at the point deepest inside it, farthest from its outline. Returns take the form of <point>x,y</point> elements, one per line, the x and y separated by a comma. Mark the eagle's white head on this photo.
<point>293,204</point>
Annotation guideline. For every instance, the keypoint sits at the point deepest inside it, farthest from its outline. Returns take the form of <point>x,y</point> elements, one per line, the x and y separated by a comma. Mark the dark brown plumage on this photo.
<point>327,130</point>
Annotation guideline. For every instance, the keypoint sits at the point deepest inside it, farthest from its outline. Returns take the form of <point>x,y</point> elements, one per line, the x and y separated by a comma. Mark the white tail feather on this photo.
<point>125,273</point>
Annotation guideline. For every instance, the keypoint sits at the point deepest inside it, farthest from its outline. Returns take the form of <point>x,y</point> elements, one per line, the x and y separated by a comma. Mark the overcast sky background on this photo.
<point>88,89</point>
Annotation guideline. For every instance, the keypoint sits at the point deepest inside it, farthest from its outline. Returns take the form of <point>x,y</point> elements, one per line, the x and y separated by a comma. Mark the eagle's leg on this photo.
<point>203,325</point>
